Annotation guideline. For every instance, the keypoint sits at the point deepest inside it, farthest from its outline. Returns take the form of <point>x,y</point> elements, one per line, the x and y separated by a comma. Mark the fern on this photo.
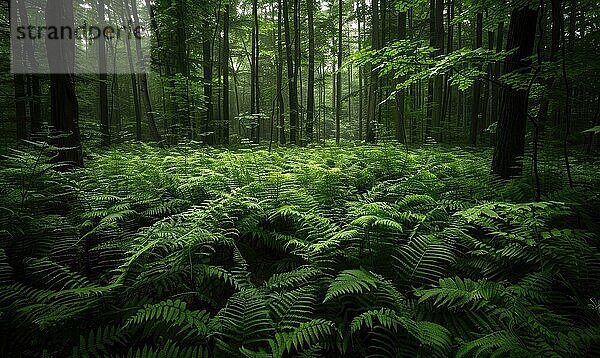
<point>351,282</point>
<point>306,334</point>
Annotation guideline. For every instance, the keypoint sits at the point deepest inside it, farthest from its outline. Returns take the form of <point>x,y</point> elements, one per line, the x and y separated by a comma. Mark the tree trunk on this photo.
<point>297,63</point>
<point>293,91</point>
<point>103,81</point>
<point>207,78</point>
<point>20,106</point>
<point>338,81</point>
<point>360,19</point>
<point>134,85</point>
<point>476,103</point>
<point>400,128</point>
<point>430,82</point>
<point>495,112</point>
<point>310,100</point>
<point>374,77</point>
<point>510,142</point>
<point>280,102</point>
<point>554,47</point>
<point>225,69</point>
<point>438,85</point>
<point>36,105</point>
<point>143,79</point>
<point>33,80</point>
<point>64,113</point>
<point>254,94</point>
<point>18,57</point>
<point>487,88</point>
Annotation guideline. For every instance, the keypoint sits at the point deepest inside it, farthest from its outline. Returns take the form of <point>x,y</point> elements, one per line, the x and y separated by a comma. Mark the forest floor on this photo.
<point>298,249</point>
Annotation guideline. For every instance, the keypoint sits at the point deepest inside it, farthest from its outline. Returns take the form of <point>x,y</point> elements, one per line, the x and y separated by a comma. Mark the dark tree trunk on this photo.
<point>134,82</point>
<point>103,81</point>
<point>476,103</point>
<point>207,78</point>
<point>510,141</point>
<point>33,80</point>
<point>360,19</point>
<point>64,113</point>
<point>254,94</point>
<point>20,105</point>
<point>181,100</point>
<point>36,105</point>
<point>18,57</point>
<point>487,88</point>
<point>225,70</point>
<point>280,102</point>
<point>495,112</point>
<point>554,47</point>
<point>438,85</point>
<point>374,78</point>
<point>293,91</point>
<point>143,79</point>
<point>430,82</point>
<point>400,128</point>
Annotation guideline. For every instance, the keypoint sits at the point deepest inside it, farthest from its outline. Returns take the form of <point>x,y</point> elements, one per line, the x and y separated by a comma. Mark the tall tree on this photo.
<point>143,78</point>
<point>310,100</point>
<point>360,19</point>
<point>255,92</point>
<point>33,79</point>
<point>400,128</point>
<point>297,62</point>
<point>476,103</point>
<point>554,48</point>
<point>207,66</point>
<point>18,57</point>
<point>495,112</point>
<point>438,84</point>
<point>133,77</point>
<point>484,121</point>
<point>64,112</point>
<point>225,70</point>
<point>20,105</point>
<point>510,141</point>
<point>103,79</point>
<point>430,83</point>
<point>292,89</point>
<point>338,81</point>
<point>374,77</point>
<point>280,102</point>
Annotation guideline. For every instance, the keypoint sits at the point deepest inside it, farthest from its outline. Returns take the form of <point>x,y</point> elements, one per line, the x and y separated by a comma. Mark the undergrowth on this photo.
<point>343,251</point>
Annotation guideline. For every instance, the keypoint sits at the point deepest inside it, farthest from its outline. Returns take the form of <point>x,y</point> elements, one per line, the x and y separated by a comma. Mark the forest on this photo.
<point>299,178</point>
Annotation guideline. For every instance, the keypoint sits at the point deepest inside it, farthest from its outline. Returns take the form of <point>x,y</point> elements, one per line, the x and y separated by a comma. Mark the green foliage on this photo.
<point>362,251</point>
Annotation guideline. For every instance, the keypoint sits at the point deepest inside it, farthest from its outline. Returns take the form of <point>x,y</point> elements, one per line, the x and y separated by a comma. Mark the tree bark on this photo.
<point>280,102</point>
<point>310,100</point>
<point>207,67</point>
<point>292,89</point>
<point>103,81</point>
<point>64,113</point>
<point>254,94</point>
<point>400,127</point>
<point>225,69</point>
<point>338,81</point>
<point>143,79</point>
<point>476,103</point>
<point>510,141</point>
<point>438,85</point>
<point>374,77</point>
<point>495,112</point>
